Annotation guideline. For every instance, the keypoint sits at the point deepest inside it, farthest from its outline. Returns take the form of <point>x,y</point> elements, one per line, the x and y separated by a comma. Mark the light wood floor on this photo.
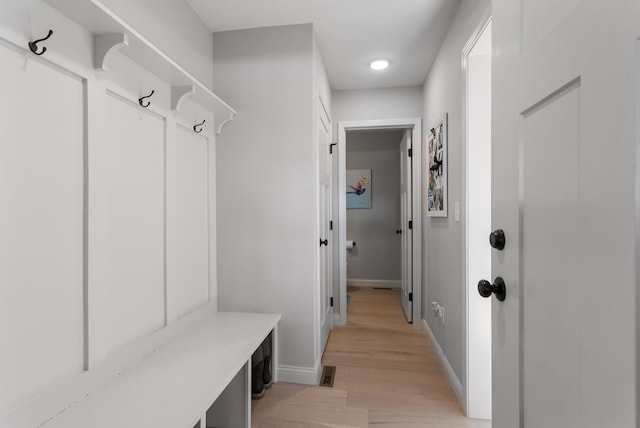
<point>387,375</point>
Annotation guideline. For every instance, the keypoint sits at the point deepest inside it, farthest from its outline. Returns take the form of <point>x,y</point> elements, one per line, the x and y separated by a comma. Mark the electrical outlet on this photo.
<point>438,311</point>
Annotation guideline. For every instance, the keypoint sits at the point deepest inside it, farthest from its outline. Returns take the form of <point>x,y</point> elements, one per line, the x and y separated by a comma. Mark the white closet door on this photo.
<point>126,226</point>
<point>41,226</point>
<point>188,224</point>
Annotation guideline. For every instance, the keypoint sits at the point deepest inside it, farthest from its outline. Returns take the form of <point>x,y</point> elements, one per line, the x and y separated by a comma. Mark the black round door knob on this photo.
<point>485,288</point>
<point>496,239</point>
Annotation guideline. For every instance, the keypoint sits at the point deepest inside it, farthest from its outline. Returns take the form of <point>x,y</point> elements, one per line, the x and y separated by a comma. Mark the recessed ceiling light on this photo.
<point>379,64</point>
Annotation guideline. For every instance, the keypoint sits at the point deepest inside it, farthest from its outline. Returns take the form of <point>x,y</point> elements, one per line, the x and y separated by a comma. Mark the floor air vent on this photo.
<point>328,373</point>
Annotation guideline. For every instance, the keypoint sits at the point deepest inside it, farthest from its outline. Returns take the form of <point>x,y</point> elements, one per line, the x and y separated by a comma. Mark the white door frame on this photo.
<point>469,391</point>
<point>416,162</point>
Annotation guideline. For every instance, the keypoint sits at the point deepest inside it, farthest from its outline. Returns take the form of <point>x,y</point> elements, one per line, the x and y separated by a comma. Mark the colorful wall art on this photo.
<point>358,188</point>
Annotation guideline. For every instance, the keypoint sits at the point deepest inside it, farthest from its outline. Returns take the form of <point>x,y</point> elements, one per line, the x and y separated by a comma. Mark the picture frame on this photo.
<point>436,168</point>
<point>358,188</point>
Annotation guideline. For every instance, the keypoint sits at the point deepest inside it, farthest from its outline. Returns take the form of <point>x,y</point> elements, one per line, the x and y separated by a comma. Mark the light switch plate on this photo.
<point>456,212</point>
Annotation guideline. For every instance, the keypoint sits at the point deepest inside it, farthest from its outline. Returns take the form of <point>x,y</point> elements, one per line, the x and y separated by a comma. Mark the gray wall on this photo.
<point>377,253</point>
<point>443,270</point>
<point>265,170</point>
<point>370,104</point>
<point>374,104</point>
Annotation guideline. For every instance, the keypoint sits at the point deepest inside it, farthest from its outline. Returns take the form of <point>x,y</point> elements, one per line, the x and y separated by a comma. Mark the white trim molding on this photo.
<point>415,124</point>
<point>374,283</point>
<point>477,317</point>
<point>336,318</point>
<point>448,370</point>
<point>300,375</point>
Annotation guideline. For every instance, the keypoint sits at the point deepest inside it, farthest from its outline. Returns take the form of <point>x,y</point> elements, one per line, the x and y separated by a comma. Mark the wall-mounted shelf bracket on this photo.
<point>223,122</point>
<point>105,43</point>
<point>178,93</point>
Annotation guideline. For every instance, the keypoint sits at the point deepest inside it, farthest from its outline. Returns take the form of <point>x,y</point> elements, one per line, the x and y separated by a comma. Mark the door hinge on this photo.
<point>331,225</point>
<point>410,152</point>
<point>331,301</point>
<point>410,225</point>
<point>411,297</point>
<point>331,147</point>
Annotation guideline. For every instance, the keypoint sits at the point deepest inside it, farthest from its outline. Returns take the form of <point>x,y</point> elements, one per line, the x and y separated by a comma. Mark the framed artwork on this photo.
<point>436,141</point>
<point>358,188</point>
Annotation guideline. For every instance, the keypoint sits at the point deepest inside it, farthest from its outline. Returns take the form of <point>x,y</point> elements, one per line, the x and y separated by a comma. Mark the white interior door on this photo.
<point>564,136</point>
<point>324,217</point>
<point>406,296</point>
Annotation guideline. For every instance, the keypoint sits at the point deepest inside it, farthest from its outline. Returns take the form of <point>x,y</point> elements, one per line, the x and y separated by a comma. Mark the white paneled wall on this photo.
<point>126,221</point>
<point>41,225</point>
<point>188,222</point>
<point>105,206</point>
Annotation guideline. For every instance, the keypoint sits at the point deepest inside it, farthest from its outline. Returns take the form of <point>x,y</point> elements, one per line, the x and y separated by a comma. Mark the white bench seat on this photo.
<point>171,386</point>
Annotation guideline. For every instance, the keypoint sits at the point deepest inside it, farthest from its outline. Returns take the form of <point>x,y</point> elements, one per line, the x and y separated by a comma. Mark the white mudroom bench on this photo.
<point>195,373</point>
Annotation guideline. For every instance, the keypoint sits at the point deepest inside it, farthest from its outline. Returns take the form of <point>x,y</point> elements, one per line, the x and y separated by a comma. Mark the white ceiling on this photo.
<point>350,33</point>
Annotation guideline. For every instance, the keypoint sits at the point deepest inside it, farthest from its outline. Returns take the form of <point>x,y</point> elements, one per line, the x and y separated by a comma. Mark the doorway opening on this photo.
<point>411,260</point>
<point>373,201</point>
<point>477,64</point>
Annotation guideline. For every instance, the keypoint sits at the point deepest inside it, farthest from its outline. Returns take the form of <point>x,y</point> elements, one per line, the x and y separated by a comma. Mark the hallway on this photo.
<point>387,375</point>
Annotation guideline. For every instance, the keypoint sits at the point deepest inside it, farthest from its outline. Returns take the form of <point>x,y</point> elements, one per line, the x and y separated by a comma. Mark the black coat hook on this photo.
<point>198,124</point>
<point>34,44</point>
<point>142,98</point>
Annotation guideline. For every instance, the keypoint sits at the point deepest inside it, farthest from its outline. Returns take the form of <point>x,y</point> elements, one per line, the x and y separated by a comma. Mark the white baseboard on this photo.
<point>301,375</point>
<point>381,283</point>
<point>451,376</point>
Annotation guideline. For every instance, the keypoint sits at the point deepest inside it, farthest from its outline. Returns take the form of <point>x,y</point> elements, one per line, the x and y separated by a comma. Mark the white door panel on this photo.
<point>564,137</point>
<point>539,15</point>
<point>551,339</point>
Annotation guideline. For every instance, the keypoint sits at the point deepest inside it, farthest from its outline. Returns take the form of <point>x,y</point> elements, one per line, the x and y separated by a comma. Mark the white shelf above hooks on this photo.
<point>112,33</point>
